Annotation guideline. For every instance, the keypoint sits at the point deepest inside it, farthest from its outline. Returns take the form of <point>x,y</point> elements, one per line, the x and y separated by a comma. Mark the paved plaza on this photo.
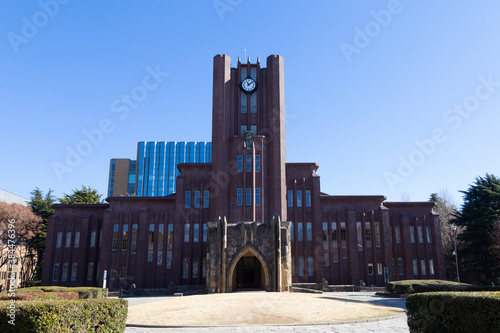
<point>394,324</point>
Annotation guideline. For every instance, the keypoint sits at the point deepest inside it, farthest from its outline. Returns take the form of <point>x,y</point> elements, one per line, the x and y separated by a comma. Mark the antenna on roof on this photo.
<point>245,54</point>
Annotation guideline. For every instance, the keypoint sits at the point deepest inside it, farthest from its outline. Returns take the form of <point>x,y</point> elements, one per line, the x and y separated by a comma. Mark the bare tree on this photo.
<point>447,208</point>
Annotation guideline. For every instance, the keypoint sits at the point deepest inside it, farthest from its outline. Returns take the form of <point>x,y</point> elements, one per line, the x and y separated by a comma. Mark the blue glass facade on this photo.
<point>157,164</point>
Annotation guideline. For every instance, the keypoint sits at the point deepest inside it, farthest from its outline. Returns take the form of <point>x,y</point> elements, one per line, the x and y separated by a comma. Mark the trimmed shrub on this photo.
<point>39,296</point>
<point>83,315</point>
<point>411,286</point>
<point>83,292</point>
<point>454,312</point>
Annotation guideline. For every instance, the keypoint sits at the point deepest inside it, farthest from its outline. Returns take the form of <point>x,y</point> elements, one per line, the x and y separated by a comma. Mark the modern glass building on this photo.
<point>154,171</point>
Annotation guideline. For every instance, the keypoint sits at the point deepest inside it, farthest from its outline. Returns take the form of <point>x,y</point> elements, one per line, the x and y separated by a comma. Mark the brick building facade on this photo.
<point>248,219</point>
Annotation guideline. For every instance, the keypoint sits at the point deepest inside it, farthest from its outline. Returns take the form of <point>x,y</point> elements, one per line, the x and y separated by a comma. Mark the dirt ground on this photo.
<point>253,308</point>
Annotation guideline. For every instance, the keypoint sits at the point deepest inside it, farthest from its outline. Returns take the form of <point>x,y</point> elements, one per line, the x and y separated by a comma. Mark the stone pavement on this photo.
<point>397,324</point>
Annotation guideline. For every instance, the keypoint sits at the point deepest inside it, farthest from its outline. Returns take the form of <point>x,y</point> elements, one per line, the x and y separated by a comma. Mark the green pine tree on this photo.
<point>86,195</point>
<point>479,215</point>
<point>42,207</point>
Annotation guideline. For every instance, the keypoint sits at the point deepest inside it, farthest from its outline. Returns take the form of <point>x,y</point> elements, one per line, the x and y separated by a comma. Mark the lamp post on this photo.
<point>455,253</point>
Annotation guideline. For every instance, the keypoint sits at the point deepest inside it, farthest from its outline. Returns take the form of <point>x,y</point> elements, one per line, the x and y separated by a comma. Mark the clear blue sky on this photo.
<point>364,81</point>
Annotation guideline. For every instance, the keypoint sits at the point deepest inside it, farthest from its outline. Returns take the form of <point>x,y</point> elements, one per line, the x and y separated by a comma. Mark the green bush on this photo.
<point>410,286</point>
<point>83,292</point>
<point>38,296</point>
<point>454,312</point>
<point>83,315</point>
<point>31,283</point>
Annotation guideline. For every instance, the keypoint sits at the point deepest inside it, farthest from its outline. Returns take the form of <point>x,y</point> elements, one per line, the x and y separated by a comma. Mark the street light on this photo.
<point>455,253</point>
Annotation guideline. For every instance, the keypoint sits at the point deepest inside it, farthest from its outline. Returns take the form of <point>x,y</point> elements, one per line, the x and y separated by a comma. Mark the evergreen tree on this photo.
<point>86,195</point>
<point>41,206</point>
<point>478,217</point>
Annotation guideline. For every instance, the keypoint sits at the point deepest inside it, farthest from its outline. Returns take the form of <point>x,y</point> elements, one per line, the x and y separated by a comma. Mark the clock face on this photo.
<point>248,85</point>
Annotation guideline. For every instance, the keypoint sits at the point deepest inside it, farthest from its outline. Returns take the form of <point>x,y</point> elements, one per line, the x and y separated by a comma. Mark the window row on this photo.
<point>248,196</point>
<point>194,269</point>
<point>197,194</point>
<point>416,266</point>
<point>76,241</point>
<point>196,232</point>
<point>248,163</point>
<point>298,198</point>
<point>420,230</point>
<point>300,266</point>
<point>300,232</point>
<point>366,239</point>
<point>380,270</point>
<point>65,271</point>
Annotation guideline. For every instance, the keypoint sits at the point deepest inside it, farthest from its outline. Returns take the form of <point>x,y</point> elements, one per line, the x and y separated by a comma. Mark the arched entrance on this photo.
<point>248,270</point>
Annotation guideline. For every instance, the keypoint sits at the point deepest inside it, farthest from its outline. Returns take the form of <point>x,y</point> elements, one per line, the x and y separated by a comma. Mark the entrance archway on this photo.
<point>248,270</point>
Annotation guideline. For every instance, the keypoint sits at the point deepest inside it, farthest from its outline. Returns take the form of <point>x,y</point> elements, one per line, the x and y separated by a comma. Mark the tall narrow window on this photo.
<point>429,235</point>
<point>309,231</point>
<point>93,234</point>
<point>196,199</point>
<point>412,234</point>
<point>55,272</point>
<point>239,196</point>
<point>370,269</point>
<point>204,268</point>
<point>343,239</point>
<point>188,199</point>
<point>257,163</point>
<point>73,271</point>
<point>310,267</point>
<point>299,198</point>
<point>301,266</point>
<point>248,163</point>
<point>257,196</point>
<point>253,103</point>
<point>239,163</point>
<point>308,198</point>
<point>204,232</point>
<point>90,271</point>
<point>379,268</point>
<point>125,237</point>
<point>368,232</point>
<point>248,196</point>
<point>359,233</point>
<point>243,129</point>
<point>65,272</point>
<point>206,198</point>
<point>77,239</point>
<point>195,268</point>
<point>400,266</point>
<point>253,129</point>
<point>112,273</point>
<point>243,101</point>
<point>59,238</point>
<point>415,267</point>
<point>291,232</point>
<point>326,254</point>
<point>159,257</point>
<point>115,236</point>
<point>68,239</point>
<point>420,234</point>
<point>151,238</point>
<point>397,231</point>
<point>133,247</point>
<point>300,236</point>
<point>335,245</point>
<point>431,266</point>
<point>170,244</point>
<point>293,266</point>
<point>185,268</point>
<point>377,234</point>
<point>424,269</point>
<point>290,198</point>
<point>196,233</point>
<point>122,272</point>
<point>186,232</point>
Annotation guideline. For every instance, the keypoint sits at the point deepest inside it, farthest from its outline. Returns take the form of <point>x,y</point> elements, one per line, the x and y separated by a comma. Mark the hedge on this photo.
<point>454,312</point>
<point>83,315</point>
<point>410,286</point>
<point>38,296</point>
<point>83,292</point>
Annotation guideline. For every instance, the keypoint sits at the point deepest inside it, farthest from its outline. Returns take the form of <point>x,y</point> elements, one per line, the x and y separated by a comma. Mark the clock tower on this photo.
<point>249,244</point>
